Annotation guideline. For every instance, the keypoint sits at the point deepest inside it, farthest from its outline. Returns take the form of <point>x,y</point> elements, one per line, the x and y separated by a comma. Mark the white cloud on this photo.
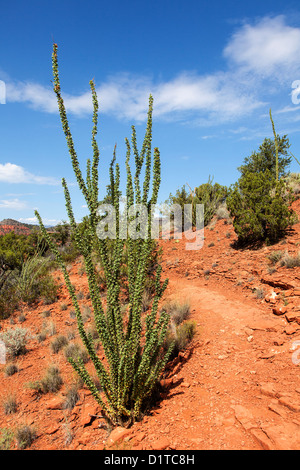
<point>269,48</point>
<point>266,48</point>
<point>12,204</point>
<point>11,173</point>
<point>34,221</point>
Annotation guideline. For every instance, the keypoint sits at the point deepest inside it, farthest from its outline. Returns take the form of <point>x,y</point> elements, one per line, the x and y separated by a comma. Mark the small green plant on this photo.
<point>181,336</point>
<point>74,351</point>
<point>71,396</point>
<point>6,439</point>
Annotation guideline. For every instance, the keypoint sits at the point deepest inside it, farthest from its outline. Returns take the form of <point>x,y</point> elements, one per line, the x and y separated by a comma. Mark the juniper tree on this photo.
<point>260,202</point>
<point>133,353</point>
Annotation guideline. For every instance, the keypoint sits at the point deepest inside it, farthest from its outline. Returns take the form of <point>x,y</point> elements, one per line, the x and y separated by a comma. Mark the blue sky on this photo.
<point>214,68</point>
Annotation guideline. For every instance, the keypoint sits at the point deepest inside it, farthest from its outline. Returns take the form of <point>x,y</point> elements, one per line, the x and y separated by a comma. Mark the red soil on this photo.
<point>236,388</point>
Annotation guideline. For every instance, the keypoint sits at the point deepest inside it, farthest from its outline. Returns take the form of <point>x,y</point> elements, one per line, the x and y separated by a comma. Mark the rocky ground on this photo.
<point>237,387</point>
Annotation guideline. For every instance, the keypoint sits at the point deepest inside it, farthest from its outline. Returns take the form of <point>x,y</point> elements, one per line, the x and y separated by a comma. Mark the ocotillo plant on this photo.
<point>276,146</point>
<point>133,353</point>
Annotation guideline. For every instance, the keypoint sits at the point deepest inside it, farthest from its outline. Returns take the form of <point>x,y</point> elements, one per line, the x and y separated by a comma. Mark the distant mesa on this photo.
<point>11,225</point>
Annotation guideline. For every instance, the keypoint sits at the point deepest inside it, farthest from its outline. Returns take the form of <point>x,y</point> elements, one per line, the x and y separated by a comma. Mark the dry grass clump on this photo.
<point>10,404</point>
<point>10,369</point>
<point>222,212</point>
<point>290,261</point>
<point>50,383</point>
<point>275,256</point>
<point>75,352</point>
<point>58,343</point>
<point>181,330</point>
<point>25,435</point>
<point>178,312</point>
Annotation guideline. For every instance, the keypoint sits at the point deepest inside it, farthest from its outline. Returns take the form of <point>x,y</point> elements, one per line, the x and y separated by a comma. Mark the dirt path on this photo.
<point>238,390</point>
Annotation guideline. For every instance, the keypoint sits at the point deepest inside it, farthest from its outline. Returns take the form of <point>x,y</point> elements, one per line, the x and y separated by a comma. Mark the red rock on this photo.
<point>160,444</point>
<point>55,403</point>
<point>118,435</point>
<point>269,390</point>
<point>52,429</point>
<point>293,316</point>
<point>279,310</point>
<point>262,439</point>
<point>88,413</point>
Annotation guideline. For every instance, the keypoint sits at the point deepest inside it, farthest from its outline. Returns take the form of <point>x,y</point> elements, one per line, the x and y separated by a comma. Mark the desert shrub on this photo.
<point>222,212</point>
<point>6,438</point>
<point>133,356</point>
<point>259,293</point>
<point>181,336</point>
<point>290,261</point>
<point>50,383</point>
<point>58,343</point>
<point>71,396</point>
<point>15,340</point>
<point>275,256</point>
<point>25,436</point>
<point>10,404</point>
<point>212,196</point>
<point>11,369</point>
<point>259,202</point>
<point>178,311</point>
<point>75,351</point>
<point>293,184</point>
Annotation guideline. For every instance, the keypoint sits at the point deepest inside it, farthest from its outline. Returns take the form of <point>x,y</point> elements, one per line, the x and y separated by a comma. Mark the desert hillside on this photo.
<point>235,387</point>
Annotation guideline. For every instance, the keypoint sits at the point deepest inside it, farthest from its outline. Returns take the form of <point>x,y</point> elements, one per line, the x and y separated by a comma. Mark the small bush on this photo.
<point>10,405</point>
<point>259,293</point>
<point>50,383</point>
<point>177,311</point>
<point>290,261</point>
<point>6,439</point>
<point>72,397</point>
<point>15,341</point>
<point>75,352</point>
<point>58,343</point>
<point>181,336</point>
<point>25,435</point>
<point>11,369</point>
<point>222,212</point>
<point>275,256</point>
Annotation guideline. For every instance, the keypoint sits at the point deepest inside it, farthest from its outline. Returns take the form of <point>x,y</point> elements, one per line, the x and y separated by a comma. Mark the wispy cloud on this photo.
<point>11,173</point>
<point>269,48</point>
<point>13,204</point>
<point>34,221</point>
